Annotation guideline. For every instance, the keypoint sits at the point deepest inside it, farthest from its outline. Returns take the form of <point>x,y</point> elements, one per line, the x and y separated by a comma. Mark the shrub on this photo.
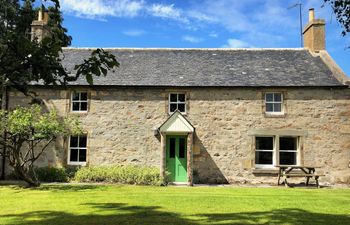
<point>71,170</point>
<point>52,174</point>
<point>120,174</point>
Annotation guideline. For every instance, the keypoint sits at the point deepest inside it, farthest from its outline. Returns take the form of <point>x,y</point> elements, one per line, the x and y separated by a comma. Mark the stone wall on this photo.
<point>121,121</point>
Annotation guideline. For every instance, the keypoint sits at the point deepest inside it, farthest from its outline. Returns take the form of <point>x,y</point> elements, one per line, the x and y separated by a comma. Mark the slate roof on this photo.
<point>210,68</point>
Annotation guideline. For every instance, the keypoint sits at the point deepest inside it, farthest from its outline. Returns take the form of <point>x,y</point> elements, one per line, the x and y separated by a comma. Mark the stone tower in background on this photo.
<point>39,27</point>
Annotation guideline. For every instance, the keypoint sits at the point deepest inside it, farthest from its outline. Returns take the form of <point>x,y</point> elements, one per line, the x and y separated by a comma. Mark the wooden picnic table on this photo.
<point>308,172</point>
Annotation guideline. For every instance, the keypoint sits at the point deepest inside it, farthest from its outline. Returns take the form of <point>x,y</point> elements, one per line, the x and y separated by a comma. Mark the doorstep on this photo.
<point>178,183</point>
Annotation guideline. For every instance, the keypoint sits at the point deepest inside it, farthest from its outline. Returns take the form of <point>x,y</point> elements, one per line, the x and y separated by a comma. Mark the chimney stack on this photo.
<point>314,33</point>
<point>39,27</point>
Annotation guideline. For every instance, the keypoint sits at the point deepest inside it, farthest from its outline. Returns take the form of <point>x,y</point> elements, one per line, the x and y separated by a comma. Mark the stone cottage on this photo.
<point>209,115</point>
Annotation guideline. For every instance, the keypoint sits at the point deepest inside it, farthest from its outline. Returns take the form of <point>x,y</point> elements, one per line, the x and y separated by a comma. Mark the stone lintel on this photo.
<point>273,132</point>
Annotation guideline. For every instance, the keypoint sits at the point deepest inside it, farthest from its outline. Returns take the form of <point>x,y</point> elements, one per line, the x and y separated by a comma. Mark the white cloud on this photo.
<point>201,16</point>
<point>266,23</point>
<point>166,11</point>
<point>102,8</point>
<point>133,32</point>
<point>99,9</point>
<point>191,39</point>
<point>236,43</point>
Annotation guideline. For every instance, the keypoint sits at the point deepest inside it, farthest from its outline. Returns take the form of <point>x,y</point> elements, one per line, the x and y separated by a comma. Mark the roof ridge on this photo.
<point>182,49</point>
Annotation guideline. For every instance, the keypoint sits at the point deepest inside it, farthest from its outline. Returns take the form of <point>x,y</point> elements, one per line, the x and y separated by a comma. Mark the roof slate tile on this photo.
<point>209,67</point>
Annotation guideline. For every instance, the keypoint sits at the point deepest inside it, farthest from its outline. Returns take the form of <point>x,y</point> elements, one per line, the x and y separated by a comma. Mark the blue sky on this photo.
<point>198,24</point>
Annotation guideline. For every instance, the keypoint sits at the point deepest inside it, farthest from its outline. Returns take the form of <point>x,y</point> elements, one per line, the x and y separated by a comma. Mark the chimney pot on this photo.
<point>311,14</point>
<point>40,15</point>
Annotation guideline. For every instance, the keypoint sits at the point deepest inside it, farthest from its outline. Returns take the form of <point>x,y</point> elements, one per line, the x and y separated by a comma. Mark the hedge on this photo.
<point>52,174</point>
<point>120,174</point>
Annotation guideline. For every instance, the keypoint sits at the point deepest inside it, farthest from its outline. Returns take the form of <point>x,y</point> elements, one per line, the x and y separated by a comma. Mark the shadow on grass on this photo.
<point>279,216</point>
<point>120,213</point>
<point>57,186</point>
<point>114,213</point>
<point>69,187</point>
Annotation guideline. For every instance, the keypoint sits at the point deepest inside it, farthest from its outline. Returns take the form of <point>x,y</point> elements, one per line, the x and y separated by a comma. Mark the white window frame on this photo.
<point>296,150</point>
<point>177,102</point>
<point>273,150</point>
<point>274,102</point>
<point>276,151</point>
<point>77,163</point>
<point>79,101</point>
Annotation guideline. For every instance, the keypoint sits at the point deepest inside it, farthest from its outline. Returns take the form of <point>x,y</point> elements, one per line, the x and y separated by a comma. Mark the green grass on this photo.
<point>113,204</point>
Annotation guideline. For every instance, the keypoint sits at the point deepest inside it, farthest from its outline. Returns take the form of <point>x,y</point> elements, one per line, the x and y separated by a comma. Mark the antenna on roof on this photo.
<point>300,20</point>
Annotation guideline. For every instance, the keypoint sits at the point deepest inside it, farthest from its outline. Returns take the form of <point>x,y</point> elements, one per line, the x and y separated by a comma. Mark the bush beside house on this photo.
<point>52,174</point>
<point>106,174</point>
<point>120,174</point>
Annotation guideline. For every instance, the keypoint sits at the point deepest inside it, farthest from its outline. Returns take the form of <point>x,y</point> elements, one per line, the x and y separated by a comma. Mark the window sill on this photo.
<point>182,113</point>
<point>76,163</point>
<point>79,113</point>
<point>265,171</point>
<point>275,115</point>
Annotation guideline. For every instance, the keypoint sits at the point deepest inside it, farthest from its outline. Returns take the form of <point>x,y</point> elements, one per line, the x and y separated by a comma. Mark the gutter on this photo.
<point>184,86</point>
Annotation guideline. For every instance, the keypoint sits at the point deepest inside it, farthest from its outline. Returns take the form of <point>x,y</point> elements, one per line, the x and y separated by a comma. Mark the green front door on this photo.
<point>176,158</point>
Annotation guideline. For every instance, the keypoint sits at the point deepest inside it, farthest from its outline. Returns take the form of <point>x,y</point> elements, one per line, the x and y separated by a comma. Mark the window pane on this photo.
<point>173,107</point>
<point>269,97</point>
<point>269,107</point>
<point>82,141</point>
<point>182,148</point>
<point>264,143</point>
<point>75,96</point>
<point>173,97</point>
<point>172,148</point>
<point>82,155</point>
<point>278,97</point>
<point>74,155</point>
<point>277,107</point>
<point>288,158</point>
<point>75,106</point>
<point>73,141</point>
<point>83,106</point>
<point>264,158</point>
<point>83,96</point>
<point>181,98</point>
<point>181,107</point>
<point>288,143</point>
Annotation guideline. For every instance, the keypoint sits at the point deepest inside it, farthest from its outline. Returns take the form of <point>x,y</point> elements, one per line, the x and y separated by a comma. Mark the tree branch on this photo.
<point>41,152</point>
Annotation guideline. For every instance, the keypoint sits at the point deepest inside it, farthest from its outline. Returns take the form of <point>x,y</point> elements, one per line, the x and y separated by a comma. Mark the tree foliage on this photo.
<point>28,133</point>
<point>341,9</point>
<point>23,61</point>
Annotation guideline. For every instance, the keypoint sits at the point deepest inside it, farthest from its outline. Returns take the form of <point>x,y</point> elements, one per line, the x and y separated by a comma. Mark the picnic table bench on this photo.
<point>308,172</point>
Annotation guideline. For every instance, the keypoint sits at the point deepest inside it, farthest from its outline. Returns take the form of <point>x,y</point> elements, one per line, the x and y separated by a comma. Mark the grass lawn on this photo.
<point>113,204</point>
